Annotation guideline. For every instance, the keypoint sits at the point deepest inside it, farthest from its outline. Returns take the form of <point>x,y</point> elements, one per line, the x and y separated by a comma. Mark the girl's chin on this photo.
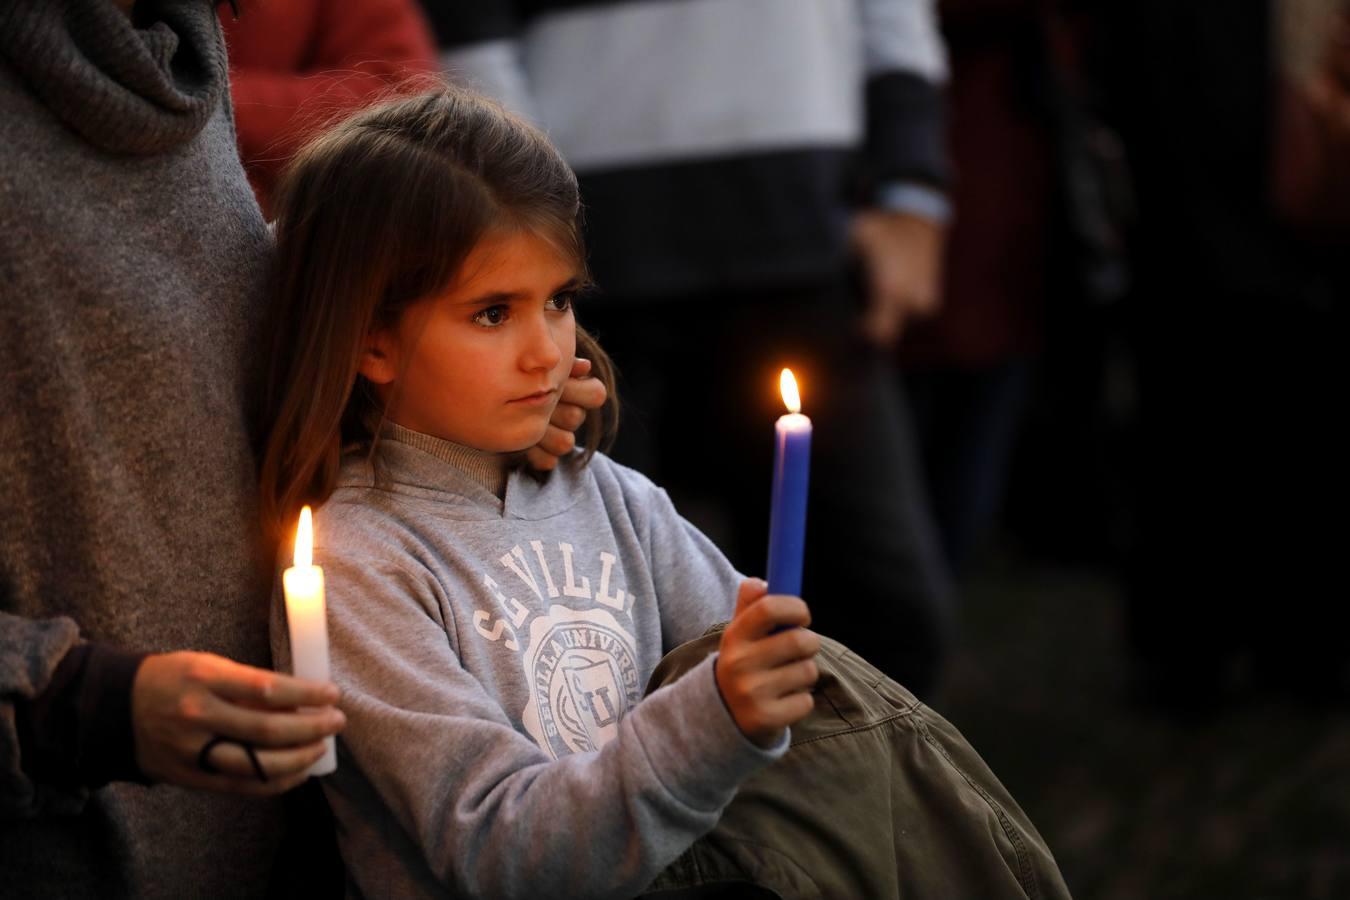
<point>519,445</point>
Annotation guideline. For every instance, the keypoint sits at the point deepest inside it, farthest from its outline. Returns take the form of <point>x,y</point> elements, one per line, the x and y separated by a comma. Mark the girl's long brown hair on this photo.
<point>372,216</point>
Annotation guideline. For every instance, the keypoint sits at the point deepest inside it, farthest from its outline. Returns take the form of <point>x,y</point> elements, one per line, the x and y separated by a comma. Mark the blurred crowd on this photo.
<point>1062,273</point>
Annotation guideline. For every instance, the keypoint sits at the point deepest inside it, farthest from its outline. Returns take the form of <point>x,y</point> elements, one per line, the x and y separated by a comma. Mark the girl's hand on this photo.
<point>579,394</point>
<point>179,701</point>
<point>765,677</point>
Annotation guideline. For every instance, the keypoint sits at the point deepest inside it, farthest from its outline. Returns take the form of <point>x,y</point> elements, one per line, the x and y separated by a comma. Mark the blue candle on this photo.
<point>787,511</point>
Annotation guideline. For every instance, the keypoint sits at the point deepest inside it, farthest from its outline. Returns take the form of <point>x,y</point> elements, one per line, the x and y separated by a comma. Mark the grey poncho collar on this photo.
<point>126,89</point>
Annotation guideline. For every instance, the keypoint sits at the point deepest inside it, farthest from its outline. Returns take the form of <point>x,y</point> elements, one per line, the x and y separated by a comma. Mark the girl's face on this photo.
<point>484,363</point>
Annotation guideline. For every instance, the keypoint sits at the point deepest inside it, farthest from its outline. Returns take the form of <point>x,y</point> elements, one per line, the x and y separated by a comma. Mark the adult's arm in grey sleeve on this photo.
<point>492,813</point>
<point>65,716</point>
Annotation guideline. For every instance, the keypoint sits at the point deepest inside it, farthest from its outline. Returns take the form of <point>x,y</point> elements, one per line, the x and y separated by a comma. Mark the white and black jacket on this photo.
<point>719,142</point>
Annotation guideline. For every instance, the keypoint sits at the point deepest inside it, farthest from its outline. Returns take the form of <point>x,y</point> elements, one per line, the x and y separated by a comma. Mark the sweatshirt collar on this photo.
<point>421,469</point>
<point>490,470</point>
<point>136,88</point>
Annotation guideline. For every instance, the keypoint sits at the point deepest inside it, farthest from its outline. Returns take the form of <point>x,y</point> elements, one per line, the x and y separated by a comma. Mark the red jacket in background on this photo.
<point>296,64</point>
<point>1001,145</point>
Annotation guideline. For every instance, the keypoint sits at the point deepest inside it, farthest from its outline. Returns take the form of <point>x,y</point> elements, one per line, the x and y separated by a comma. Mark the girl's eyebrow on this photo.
<point>570,284</point>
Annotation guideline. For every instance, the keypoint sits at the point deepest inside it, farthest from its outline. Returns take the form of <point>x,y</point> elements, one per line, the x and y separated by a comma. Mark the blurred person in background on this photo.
<point>298,64</point>
<point>1238,330</point>
<point>1035,266</point>
<point>1310,176</point>
<point>967,369</point>
<point>779,168</point>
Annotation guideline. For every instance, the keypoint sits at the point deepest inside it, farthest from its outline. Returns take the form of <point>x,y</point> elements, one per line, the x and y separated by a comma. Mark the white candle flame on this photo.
<point>304,539</point>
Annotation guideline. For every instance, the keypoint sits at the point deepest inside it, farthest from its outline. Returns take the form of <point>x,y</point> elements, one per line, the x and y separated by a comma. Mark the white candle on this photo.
<point>306,618</point>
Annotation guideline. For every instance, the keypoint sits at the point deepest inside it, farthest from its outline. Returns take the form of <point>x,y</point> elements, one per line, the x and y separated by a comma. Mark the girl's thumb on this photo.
<point>750,590</point>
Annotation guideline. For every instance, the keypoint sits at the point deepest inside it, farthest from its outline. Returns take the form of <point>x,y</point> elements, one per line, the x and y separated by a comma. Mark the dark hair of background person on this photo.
<point>378,213</point>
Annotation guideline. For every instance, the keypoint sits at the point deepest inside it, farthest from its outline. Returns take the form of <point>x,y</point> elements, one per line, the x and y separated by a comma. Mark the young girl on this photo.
<point>492,629</point>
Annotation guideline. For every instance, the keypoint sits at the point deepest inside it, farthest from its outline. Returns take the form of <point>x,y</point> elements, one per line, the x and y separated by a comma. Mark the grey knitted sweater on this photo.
<point>132,259</point>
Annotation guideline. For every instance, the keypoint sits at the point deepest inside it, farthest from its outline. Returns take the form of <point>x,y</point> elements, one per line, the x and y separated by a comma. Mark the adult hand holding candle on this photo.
<point>306,619</point>
<point>787,511</point>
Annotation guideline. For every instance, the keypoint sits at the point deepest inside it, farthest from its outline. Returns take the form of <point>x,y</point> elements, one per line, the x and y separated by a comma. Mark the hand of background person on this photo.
<point>1336,50</point>
<point>901,255</point>
<point>1328,90</point>
<point>1310,181</point>
<point>179,701</point>
<point>582,392</point>
<point>765,675</point>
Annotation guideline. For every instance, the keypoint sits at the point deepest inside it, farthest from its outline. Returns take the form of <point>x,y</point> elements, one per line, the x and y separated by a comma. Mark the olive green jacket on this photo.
<point>878,797</point>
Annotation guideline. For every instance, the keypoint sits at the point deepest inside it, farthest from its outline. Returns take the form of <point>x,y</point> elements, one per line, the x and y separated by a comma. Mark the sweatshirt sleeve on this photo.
<point>906,69</point>
<point>695,583</point>
<point>492,814</point>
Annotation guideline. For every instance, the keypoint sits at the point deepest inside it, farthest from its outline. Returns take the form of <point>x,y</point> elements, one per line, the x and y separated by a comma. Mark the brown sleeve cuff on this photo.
<point>78,731</point>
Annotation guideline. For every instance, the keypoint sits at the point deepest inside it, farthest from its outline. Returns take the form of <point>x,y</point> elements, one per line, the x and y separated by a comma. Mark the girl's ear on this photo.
<point>379,358</point>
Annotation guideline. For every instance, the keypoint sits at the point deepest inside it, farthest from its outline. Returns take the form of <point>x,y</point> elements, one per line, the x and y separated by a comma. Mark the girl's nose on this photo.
<point>541,350</point>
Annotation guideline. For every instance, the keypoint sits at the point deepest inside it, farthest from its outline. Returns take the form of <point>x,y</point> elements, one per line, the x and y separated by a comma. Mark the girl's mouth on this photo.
<point>534,399</point>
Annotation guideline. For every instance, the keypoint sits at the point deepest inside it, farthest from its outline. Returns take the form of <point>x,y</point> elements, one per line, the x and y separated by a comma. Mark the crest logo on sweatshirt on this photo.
<point>582,673</point>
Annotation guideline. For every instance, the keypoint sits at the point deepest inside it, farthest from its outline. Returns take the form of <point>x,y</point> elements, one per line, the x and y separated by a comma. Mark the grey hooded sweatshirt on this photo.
<point>492,654</point>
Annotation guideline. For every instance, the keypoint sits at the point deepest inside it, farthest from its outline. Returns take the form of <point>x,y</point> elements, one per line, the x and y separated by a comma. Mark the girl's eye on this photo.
<point>561,302</point>
<point>491,317</point>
